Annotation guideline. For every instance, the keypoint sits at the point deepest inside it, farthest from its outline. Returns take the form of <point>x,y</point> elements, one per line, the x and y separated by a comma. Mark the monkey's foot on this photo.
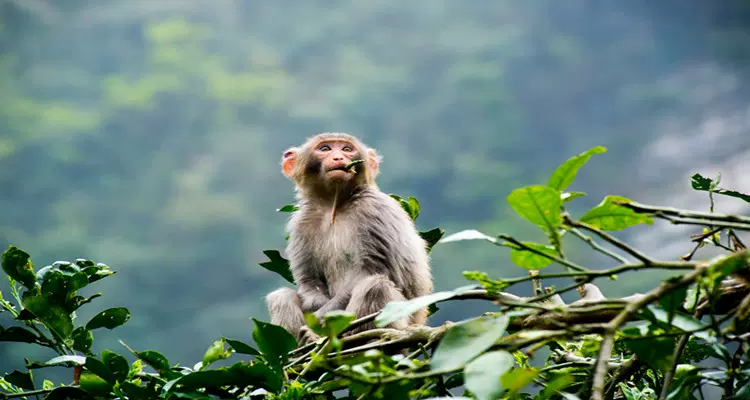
<point>307,336</point>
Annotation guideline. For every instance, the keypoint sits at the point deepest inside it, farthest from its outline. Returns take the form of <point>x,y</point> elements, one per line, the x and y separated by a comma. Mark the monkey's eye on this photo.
<point>324,147</point>
<point>347,149</point>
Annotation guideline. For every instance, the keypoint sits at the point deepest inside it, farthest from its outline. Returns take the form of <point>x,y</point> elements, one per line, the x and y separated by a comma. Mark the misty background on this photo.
<point>147,134</point>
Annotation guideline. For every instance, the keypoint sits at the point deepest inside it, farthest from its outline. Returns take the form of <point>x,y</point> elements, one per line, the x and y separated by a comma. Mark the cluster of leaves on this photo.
<point>490,356</point>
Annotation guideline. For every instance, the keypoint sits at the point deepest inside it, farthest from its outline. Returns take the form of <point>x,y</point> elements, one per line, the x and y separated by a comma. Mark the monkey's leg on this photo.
<point>370,296</point>
<point>285,309</point>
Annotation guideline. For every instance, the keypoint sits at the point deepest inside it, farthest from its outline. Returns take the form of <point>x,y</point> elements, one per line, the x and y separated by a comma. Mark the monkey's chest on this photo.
<point>338,256</point>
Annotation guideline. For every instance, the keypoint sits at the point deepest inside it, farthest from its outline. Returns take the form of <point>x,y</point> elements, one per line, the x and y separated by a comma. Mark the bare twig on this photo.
<point>611,239</point>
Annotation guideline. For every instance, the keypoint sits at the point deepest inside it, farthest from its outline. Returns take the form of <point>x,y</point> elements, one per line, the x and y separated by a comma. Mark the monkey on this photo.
<point>351,247</point>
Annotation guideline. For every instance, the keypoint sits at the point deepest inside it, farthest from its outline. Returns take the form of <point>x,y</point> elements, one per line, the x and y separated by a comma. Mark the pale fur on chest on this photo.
<point>337,243</point>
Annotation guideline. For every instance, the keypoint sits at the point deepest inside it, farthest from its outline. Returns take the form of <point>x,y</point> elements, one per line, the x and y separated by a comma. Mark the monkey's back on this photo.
<point>371,234</point>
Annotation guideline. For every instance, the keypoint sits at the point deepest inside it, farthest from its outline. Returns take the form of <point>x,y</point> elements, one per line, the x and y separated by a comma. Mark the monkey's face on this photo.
<point>330,159</point>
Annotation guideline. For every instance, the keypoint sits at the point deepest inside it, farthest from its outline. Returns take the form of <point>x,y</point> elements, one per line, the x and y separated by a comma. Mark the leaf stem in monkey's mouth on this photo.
<point>352,164</point>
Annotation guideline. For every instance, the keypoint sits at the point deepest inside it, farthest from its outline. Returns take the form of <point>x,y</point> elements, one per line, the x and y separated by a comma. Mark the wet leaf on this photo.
<point>110,318</point>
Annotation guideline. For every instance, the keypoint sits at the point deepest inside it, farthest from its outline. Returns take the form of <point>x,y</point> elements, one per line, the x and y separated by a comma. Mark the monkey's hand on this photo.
<point>307,336</point>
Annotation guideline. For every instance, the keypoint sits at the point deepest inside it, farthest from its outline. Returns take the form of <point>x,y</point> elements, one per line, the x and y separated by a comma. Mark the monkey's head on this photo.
<point>319,165</point>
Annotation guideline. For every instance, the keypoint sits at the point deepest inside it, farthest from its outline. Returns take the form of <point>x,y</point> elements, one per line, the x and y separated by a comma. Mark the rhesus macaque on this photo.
<point>351,247</point>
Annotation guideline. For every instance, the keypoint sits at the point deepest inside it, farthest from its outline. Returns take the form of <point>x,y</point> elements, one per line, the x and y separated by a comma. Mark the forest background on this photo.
<point>147,134</point>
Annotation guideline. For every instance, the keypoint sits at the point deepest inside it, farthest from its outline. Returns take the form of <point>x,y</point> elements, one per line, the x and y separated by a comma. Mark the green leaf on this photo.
<point>482,376</point>
<point>335,322</point>
<point>288,208</point>
<point>566,173</point>
<point>21,379</point>
<point>18,334</point>
<point>241,347</point>
<point>94,384</point>
<point>396,310</point>
<point>68,393</point>
<point>53,315</point>
<point>700,183</point>
<point>241,374</point>
<point>116,364</point>
<point>410,205</point>
<point>155,360</point>
<point>529,260</point>
<point>609,216</point>
<point>466,340</point>
<point>17,264</point>
<point>215,352</point>
<point>110,318</point>
<point>99,369</point>
<point>568,196</point>
<point>556,385</point>
<point>278,264</point>
<point>540,205</point>
<point>656,352</point>
<point>518,378</point>
<point>682,321</point>
<point>672,302</point>
<point>83,339</point>
<point>274,343</point>
<point>432,237</point>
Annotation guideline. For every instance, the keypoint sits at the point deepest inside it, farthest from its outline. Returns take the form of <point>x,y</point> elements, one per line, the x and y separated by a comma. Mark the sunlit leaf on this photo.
<point>410,205</point>
<point>94,384</point>
<point>110,318</point>
<point>401,309</point>
<point>482,376</point>
<point>67,361</point>
<point>468,234</point>
<point>466,340</point>
<point>215,352</point>
<point>568,196</point>
<point>278,264</point>
<point>17,264</point>
<point>540,205</point>
<point>530,260</point>
<point>566,173</point>
<point>518,378</point>
<point>609,216</point>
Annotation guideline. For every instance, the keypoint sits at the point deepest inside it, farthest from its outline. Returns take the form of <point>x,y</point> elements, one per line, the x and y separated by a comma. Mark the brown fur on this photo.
<point>370,255</point>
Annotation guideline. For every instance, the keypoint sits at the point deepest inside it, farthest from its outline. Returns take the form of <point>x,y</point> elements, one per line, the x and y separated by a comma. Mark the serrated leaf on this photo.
<point>288,208</point>
<point>278,264</point>
<point>17,264</point>
<point>241,347</point>
<point>396,310</point>
<point>609,216</point>
<point>540,205</point>
<point>700,183</point>
<point>110,318</point>
<point>468,234</point>
<point>116,364</point>
<point>568,196</point>
<point>274,343</point>
<point>215,352</point>
<point>530,260</point>
<point>566,173</point>
<point>20,379</point>
<point>432,237</point>
<point>18,334</point>
<point>466,340</point>
<point>482,376</point>
<point>53,315</point>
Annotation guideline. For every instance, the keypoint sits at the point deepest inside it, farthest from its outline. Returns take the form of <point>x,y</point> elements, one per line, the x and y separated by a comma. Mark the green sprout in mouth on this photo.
<point>352,164</point>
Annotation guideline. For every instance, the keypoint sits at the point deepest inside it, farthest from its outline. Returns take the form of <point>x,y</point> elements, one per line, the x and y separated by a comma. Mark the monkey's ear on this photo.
<point>288,160</point>
<point>374,160</point>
